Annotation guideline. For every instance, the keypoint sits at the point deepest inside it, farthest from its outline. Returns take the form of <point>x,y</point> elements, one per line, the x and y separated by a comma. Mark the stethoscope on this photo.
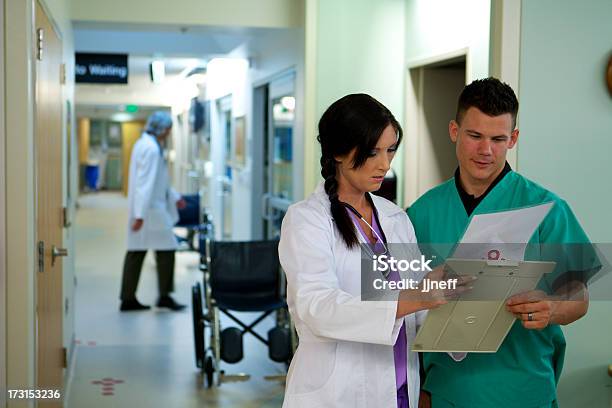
<point>382,240</point>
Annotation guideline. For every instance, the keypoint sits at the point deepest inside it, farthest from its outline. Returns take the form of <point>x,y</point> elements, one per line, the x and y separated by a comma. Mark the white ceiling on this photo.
<point>181,48</point>
<point>163,40</point>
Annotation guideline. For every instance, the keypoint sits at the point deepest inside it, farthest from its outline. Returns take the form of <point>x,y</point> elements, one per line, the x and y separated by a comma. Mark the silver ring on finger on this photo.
<point>530,317</point>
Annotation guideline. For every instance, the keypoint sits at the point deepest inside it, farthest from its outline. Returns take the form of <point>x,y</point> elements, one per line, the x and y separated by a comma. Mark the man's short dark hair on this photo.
<point>490,96</point>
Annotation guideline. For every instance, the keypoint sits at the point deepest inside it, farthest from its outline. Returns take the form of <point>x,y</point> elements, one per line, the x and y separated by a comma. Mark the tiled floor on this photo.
<point>146,359</point>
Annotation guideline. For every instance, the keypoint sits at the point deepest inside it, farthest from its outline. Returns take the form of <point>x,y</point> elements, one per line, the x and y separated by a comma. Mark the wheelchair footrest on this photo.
<point>240,377</point>
<point>280,378</point>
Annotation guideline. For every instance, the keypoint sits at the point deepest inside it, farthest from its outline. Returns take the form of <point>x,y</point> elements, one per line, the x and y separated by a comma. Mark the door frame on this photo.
<point>505,54</point>
<point>2,219</point>
<point>258,178</point>
<point>413,111</point>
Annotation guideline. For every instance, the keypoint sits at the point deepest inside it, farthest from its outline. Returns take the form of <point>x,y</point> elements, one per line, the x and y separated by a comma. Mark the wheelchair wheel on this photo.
<point>209,370</point>
<point>231,345</point>
<point>198,324</point>
<point>279,344</point>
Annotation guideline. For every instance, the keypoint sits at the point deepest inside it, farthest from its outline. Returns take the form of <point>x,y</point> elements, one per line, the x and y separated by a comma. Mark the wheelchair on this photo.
<point>239,277</point>
<point>194,220</point>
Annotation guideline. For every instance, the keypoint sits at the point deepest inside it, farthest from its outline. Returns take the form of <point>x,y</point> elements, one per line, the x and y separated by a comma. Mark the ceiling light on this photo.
<point>158,71</point>
<point>121,117</point>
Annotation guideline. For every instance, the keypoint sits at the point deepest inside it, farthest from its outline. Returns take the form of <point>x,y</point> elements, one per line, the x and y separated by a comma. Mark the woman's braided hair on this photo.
<point>355,121</point>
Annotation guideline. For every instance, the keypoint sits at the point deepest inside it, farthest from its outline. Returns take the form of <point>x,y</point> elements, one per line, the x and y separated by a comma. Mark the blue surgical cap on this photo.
<point>158,123</point>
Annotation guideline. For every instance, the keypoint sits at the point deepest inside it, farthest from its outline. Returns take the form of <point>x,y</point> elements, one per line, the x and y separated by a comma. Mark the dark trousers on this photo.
<point>132,266</point>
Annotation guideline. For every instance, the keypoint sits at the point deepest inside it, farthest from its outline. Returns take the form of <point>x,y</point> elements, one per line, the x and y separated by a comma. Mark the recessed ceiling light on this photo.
<point>158,71</point>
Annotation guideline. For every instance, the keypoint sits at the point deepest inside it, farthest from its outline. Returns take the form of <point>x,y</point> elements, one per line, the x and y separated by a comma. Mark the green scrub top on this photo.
<point>527,366</point>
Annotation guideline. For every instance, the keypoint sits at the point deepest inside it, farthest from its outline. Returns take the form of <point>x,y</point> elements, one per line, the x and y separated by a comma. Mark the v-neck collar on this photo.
<point>471,203</point>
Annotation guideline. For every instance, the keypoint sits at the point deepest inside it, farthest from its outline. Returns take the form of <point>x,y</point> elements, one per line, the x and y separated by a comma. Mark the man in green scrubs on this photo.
<point>525,370</point>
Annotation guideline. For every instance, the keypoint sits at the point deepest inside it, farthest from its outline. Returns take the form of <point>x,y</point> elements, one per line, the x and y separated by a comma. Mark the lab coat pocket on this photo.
<point>158,220</point>
<point>314,373</point>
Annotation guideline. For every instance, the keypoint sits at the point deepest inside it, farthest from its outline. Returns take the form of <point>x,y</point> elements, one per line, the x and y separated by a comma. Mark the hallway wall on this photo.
<point>439,30</point>
<point>278,55</point>
<point>565,115</point>
<point>265,58</point>
<point>352,46</point>
<point>435,27</point>
<point>19,195</point>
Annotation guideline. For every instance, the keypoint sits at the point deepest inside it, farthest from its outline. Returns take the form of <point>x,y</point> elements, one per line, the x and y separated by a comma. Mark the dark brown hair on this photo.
<point>490,96</point>
<point>355,121</point>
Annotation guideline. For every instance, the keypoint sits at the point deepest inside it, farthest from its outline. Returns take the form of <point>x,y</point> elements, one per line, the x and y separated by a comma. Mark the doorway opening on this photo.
<point>274,111</point>
<point>432,90</point>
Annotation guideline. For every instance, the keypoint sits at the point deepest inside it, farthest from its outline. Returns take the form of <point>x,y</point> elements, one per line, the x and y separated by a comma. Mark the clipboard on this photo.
<point>478,321</point>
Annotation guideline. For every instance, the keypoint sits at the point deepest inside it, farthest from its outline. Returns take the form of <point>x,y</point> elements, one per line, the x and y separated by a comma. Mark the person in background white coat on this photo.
<point>153,212</point>
<point>352,353</point>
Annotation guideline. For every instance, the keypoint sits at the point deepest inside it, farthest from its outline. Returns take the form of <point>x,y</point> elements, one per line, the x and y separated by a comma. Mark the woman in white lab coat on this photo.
<point>351,353</point>
<point>153,212</point>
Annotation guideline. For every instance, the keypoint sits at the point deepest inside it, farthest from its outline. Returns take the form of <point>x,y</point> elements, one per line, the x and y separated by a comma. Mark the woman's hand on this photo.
<point>435,290</point>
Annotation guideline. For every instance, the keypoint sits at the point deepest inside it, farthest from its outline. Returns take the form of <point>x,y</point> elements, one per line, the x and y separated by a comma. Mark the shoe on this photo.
<point>169,303</point>
<point>132,305</point>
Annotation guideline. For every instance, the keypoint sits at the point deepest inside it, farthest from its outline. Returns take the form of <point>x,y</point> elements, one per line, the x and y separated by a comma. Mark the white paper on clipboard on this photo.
<point>507,232</point>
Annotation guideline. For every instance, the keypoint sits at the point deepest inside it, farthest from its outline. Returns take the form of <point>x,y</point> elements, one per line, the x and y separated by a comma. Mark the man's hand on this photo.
<point>180,204</point>
<point>533,309</point>
<point>569,304</point>
<point>137,224</point>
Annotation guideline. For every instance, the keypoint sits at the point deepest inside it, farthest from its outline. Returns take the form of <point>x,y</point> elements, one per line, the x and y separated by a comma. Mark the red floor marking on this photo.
<point>108,385</point>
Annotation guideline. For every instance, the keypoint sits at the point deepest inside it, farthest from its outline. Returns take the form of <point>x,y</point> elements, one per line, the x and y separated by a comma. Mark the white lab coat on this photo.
<point>151,198</point>
<point>345,353</point>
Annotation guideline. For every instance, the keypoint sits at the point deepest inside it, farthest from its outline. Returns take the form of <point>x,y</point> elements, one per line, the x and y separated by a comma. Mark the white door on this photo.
<point>51,356</point>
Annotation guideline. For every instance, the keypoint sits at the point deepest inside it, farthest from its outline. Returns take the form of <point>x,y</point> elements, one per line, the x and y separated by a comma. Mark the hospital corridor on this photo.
<point>144,354</point>
<point>305,203</point>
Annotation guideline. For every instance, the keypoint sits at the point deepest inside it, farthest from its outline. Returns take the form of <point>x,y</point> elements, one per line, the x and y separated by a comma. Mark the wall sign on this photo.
<point>101,68</point>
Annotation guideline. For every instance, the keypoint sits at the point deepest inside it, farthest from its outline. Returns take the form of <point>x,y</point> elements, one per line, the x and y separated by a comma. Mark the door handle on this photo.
<point>57,252</point>
<point>265,209</point>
